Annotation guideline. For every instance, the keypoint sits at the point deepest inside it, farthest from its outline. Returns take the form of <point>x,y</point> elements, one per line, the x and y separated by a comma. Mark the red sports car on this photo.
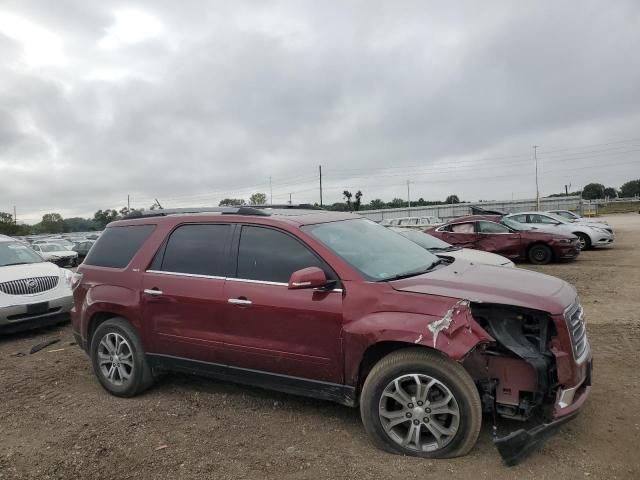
<point>495,234</point>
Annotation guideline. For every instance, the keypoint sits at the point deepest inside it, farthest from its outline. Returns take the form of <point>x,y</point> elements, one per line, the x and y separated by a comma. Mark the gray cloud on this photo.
<point>220,96</point>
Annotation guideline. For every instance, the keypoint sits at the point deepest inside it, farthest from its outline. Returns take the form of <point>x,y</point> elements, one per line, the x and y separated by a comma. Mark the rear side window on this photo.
<point>272,256</point>
<point>197,249</point>
<point>462,228</point>
<point>490,227</point>
<point>117,246</point>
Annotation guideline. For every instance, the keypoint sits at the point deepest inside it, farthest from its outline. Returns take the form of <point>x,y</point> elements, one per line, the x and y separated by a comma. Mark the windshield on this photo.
<point>376,252</point>
<point>14,253</point>
<point>513,225</point>
<point>51,248</point>
<point>425,240</point>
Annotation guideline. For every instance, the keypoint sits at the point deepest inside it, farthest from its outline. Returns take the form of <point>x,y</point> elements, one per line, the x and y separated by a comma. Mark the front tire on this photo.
<point>417,402</point>
<point>118,359</point>
<point>584,242</point>
<point>540,254</point>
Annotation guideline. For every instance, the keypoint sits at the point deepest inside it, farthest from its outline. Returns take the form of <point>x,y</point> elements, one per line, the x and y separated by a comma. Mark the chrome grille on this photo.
<point>29,286</point>
<point>577,330</point>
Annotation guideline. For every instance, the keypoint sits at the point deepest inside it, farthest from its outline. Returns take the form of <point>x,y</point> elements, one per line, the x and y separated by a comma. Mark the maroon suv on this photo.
<point>336,307</point>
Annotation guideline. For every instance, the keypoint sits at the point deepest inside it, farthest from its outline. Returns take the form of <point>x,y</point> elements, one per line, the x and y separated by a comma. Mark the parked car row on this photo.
<point>537,237</point>
<point>64,250</point>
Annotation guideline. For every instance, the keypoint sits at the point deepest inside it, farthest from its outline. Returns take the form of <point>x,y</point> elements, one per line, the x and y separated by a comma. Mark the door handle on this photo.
<point>153,291</point>
<point>239,301</point>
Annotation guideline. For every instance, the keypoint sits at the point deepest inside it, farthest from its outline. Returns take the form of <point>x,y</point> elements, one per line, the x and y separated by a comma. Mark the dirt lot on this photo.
<point>56,421</point>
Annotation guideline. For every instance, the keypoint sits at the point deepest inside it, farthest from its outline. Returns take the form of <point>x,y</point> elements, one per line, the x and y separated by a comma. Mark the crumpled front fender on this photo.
<point>454,333</point>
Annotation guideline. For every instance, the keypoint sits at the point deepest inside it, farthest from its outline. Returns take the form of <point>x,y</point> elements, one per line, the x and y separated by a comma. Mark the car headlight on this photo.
<point>68,277</point>
<point>563,240</point>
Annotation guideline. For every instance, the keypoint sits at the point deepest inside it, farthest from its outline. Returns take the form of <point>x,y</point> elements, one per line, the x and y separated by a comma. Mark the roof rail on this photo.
<point>300,206</point>
<point>161,212</point>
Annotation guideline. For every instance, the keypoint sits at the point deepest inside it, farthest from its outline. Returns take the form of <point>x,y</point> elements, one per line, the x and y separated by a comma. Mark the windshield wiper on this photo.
<point>450,248</point>
<point>414,273</point>
<point>17,263</point>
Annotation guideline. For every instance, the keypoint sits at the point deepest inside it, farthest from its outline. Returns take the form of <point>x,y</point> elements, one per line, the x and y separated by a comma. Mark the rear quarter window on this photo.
<point>117,245</point>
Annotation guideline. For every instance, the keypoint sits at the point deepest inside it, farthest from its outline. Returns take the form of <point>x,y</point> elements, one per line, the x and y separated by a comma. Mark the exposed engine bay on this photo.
<point>512,388</point>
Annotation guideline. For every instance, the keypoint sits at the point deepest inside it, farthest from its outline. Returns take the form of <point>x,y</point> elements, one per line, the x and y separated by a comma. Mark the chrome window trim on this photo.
<point>263,282</point>
<point>179,274</point>
<point>231,279</point>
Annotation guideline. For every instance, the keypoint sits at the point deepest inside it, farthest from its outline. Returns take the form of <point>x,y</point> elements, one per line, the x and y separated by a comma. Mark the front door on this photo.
<point>496,238</point>
<point>461,235</point>
<point>271,328</point>
<point>183,292</point>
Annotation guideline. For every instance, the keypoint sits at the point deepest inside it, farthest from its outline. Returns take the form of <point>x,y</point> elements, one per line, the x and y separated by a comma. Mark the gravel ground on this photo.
<point>57,422</point>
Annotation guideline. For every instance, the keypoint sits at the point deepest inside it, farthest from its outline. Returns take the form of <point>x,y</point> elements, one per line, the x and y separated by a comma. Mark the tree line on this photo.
<point>54,223</point>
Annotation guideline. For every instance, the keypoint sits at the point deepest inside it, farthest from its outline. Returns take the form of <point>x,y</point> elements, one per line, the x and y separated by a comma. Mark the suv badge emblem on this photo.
<point>32,284</point>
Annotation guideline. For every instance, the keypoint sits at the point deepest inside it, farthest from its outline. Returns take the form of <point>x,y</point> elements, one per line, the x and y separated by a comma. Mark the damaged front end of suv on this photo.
<point>536,370</point>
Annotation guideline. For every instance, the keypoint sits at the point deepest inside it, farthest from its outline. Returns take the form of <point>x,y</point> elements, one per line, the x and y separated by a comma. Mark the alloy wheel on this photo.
<point>115,359</point>
<point>419,413</point>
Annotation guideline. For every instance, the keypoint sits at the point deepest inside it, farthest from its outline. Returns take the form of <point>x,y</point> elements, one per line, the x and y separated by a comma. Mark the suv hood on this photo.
<point>491,284</point>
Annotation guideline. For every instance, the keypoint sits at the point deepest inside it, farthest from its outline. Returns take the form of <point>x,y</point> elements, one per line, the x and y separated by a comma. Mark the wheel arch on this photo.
<point>98,318</point>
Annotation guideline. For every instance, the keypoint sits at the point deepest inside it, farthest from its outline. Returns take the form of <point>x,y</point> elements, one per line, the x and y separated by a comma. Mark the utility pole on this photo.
<point>535,155</point>
<point>15,219</point>
<point>270,192</point>
<point>409,197</point>
<point>320,170</point>
<point>290,200</point>
<point>128,203</point>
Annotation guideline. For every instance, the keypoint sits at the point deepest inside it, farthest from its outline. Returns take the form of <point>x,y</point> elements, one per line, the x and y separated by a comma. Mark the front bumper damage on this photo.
<point>516,446</point>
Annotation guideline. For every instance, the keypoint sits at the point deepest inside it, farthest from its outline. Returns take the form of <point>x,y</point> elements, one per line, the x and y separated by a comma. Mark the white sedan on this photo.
<point>57,254</point>
<point>32,292</point>
<point>444,249</point>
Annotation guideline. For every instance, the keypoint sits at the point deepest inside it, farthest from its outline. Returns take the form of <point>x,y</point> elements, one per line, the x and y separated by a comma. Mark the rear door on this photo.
<point>461,234</point>
<point>496,238</point>
<point>271,328</point>
<point>183,298</point>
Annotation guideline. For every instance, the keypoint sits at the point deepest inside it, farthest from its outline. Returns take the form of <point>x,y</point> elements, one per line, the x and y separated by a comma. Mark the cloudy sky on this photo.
<point>191,102</point>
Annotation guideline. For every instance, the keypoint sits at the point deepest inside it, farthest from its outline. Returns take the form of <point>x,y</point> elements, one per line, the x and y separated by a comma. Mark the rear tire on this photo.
<point>402,417</point>
<point>584,241</point>
<point>540,254</point>
<point>118,359</point>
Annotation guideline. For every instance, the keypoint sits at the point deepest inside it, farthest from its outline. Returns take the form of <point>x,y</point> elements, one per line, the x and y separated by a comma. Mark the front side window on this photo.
<point>490,227</point>
<point>377,253</point>
<point>197,249</point>
<point>272,256</point>
<point>15,253</point>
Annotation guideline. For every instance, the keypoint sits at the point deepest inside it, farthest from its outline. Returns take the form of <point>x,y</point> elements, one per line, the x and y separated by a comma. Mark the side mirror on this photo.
<point>311,277</point>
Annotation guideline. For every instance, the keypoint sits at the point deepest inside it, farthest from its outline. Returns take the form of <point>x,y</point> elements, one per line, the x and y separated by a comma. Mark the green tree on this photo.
<point>397,203</point>
<point>78,224</point>
<point>232,202</point>
<point>104,217</point>
<point>377,204</point>
<point>610,192</point>
<point>357,203</point>
<point>52,223</point>
<point>452,199</point>
<point>630,189</point>
<point>347,196</point>
<point>593,191</point>
<point>258,199</point>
